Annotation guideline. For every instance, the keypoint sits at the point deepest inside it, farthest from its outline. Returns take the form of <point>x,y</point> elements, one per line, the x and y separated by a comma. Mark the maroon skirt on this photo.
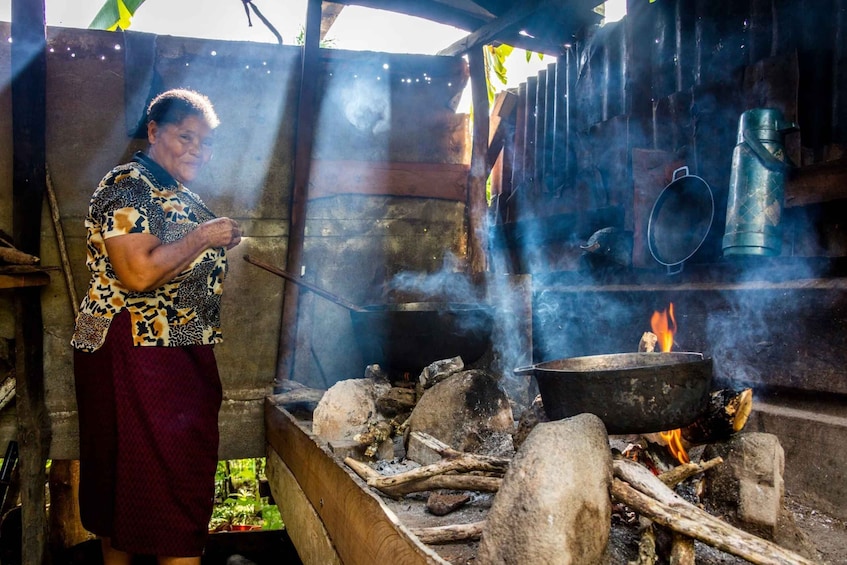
<point>148,439</point>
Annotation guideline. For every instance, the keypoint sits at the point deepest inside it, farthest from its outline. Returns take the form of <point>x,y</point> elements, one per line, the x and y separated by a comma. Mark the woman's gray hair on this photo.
<point>173,106</point>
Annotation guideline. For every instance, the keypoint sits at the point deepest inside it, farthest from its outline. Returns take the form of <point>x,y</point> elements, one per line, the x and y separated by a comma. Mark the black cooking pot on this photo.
<point>630,392</point>
<point>680,220</point>
<point>408,336</point>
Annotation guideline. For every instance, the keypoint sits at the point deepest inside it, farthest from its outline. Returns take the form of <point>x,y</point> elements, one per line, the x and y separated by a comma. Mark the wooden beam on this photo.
<point>29,179</point>
<point>423,180</point>
<point>329,13</point>
<point>300,191</point>
<point>490,32</point>
<point>504,105</point>
<point>434,11</point>
<point>477,208</point>
<point>818,183</point>
<point>23,276</point>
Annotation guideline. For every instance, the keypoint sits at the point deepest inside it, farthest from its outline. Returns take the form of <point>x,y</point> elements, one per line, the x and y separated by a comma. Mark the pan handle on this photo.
<point>319,291</point>
<point>683,170</point>
<point>528,370</point>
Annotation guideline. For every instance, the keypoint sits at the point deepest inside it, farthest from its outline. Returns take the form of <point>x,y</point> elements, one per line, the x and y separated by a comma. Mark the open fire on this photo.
<point>663,325</point>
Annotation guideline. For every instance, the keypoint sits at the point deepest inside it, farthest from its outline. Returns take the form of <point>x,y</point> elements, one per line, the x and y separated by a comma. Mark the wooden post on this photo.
<point>29,71</point>
<point>299,192</point>
<point>477,205</point>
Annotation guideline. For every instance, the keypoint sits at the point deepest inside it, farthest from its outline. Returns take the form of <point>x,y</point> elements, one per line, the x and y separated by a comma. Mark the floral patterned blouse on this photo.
<point>141,197</point>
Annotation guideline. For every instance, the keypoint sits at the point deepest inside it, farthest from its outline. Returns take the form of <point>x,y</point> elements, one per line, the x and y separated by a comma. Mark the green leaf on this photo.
<point>115,14</point>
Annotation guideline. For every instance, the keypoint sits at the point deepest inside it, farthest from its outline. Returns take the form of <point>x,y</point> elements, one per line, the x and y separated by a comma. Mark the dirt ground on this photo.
<point>825,534</point>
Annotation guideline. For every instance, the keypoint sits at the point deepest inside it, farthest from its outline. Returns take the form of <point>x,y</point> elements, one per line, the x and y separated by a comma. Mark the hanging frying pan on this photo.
<point>680,220</point>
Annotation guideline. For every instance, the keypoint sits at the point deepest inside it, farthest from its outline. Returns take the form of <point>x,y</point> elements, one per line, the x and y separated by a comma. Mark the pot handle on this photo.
<point>528,370</point>
<point>765,156</point>
<point>683,170</point>
<point>675,269</point>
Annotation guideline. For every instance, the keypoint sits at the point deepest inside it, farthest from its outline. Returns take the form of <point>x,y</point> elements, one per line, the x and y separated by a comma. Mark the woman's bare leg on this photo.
<point>112,556</point>
<point>179,560</point>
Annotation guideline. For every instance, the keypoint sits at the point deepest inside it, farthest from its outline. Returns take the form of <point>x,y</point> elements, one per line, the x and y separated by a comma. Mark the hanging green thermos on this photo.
<point>757,185</point>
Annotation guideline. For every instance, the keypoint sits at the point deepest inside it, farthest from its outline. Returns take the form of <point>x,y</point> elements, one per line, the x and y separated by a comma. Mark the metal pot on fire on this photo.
<point>631,392</point>
<point>680,220</point>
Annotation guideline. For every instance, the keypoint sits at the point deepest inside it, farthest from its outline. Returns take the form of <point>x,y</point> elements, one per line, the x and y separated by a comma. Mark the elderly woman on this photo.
<point>147,382</point>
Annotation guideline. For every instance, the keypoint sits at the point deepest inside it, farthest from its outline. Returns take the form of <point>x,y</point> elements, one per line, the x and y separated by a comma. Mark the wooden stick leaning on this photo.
<point>449,534</point>
<point>642,491</point>
<point>438,481</point>
<point>682,548</point>
<point>686,470</point>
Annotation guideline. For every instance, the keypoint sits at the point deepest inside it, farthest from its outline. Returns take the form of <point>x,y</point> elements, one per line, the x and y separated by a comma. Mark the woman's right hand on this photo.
<point>221,232</point>
<point>142,262</point>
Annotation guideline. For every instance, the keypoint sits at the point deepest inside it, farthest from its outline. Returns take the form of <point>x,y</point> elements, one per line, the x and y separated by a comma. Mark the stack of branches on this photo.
<point>654,499</point>
<point>633,485</point>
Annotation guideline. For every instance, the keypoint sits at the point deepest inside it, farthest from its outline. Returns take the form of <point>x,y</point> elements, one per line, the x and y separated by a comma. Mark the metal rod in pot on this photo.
<point>319,291</point>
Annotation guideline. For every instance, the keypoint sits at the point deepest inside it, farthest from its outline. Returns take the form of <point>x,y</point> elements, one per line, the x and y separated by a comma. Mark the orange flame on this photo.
<point>663,325</point>
<point>674,439</point>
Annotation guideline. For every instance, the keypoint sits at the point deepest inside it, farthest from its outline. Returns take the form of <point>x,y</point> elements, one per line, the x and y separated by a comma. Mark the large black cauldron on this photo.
<point>631,392</point>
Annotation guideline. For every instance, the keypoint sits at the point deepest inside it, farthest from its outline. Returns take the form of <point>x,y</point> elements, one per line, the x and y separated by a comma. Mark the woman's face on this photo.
<point>181,149</point>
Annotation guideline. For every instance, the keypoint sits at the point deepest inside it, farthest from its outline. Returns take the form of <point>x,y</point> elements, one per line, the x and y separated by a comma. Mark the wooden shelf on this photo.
<point>814,184</point>
<point>755,273</point>
<point>798,284</point>
<point>22,276</point>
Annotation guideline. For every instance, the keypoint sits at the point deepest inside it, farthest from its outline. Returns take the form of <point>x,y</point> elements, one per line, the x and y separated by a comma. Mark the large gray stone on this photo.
<point>345,410</point>
<point>466,411</point>
<point>553,506</point>
<point>750,482</point>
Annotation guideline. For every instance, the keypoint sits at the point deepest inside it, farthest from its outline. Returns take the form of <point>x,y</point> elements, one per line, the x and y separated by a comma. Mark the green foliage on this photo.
<point>237,497</point>
<point>115,14</point>
<point>326,42</point>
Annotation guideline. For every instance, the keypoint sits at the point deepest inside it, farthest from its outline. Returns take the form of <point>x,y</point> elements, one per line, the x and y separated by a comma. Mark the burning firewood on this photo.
<point>648,342</point>
<point>682,549</point>
<point>727,414</point>
<point>686,470</point>
<point>642,491</point>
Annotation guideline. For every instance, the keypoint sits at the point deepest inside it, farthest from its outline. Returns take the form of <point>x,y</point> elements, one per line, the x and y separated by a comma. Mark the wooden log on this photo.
<point>17,257</point>
<point>686,470</point>
<point>449,534</point>
<point>646,546</point>
<point>476,483</point>
<point>703,526</point>
<point>445,450</point>
<point>464,463</point>
<point>7,390</point>
<point>682,550</point>
<point>643,492</point>
<point>451,482</point>
<point>727,414</point>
